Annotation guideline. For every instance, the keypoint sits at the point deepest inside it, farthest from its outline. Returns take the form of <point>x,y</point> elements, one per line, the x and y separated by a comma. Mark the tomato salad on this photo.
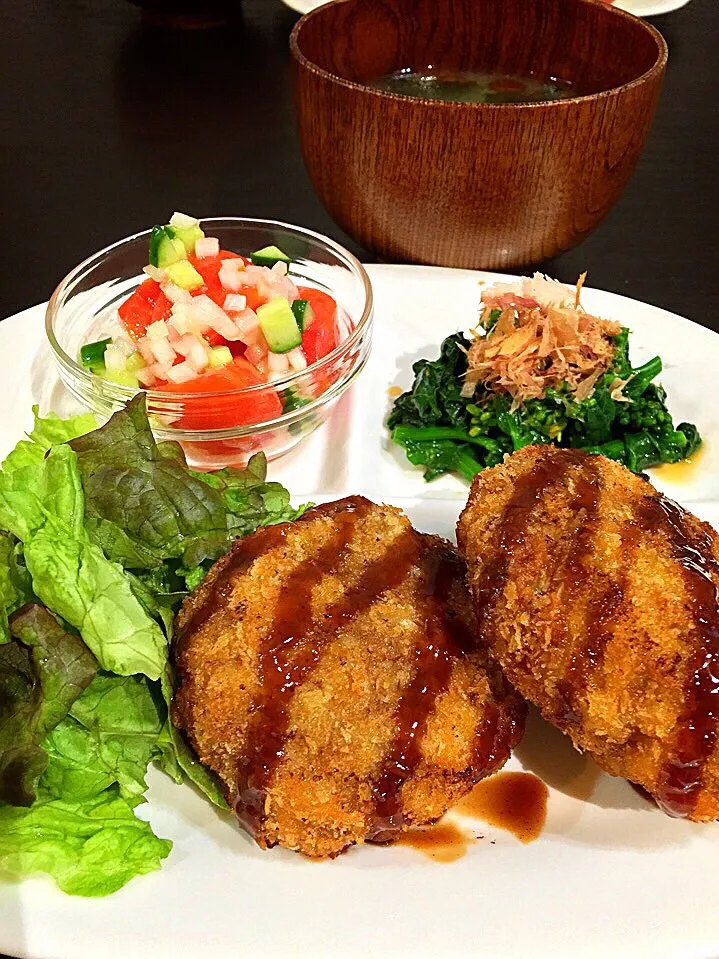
<point>210,321</point>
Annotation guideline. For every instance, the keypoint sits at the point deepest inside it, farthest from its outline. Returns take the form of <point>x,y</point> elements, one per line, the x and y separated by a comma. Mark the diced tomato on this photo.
<point>136,313</point>
<point>162,309</point>
<point>213,413</point>
<point>322,335</point>
<point>211,455</point>
<point>209,268</point>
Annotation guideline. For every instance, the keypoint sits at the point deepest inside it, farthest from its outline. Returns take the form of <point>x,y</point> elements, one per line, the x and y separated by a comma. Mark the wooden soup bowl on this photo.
<point>466,184</point>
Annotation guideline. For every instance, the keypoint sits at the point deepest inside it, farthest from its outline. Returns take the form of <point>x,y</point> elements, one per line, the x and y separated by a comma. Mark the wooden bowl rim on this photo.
<point>609,9</point>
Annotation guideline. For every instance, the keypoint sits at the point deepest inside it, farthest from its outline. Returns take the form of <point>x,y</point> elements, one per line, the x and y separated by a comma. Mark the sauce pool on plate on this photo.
<point>443,842</point>
<point>684,471</point>
<point>513,801</point>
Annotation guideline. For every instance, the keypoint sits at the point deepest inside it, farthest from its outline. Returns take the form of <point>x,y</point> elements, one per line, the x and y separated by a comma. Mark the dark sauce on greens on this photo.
<point>465,86</point>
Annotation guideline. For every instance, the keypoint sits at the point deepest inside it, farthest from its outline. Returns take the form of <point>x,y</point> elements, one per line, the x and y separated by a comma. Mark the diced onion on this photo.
<point>155,273</point>
<point>160,370</point>
<point>157,331</point>
<point>247,320</point>
<point>183,220</point>
<point>297,359</point>
<point>235,302</point>
<point>255,354</point>
<point>181,321</point>
<point>198,357</point>
<point>272,377</point>
<point>114,357</point>
<point>124,344</point>
<point>207,246</point>
<point>205,310</point>
<point>176,294</point>
<point>184,344</point>
<point>146,377</point>
<point>146,351</point>
<point>232,274</point>
<point>277,363</point>
<point>181,373</point>
<point>280,267</point>
<point>164,353</point>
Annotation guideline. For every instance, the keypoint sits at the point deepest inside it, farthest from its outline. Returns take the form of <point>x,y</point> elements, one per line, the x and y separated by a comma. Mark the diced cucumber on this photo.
<point>268,256</point>
<point>183,274</point>
<point>122,377</point>
<point>134,362</point>
<point>93,354</point>
<point>303,314</point>
<point>165,248</point>
<point>188,236</point>
<point>278,323</point>
<point>181,221</point>
<point>219,356</point>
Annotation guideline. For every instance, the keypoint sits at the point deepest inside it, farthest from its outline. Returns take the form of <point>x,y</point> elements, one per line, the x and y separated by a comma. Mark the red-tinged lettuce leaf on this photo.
<point>42,674</point>
<point>91,846</point>
<point>144,506</point>
<point>142,503</point>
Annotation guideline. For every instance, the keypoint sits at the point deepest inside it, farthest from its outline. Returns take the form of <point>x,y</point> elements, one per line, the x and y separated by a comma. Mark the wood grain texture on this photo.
<point>472,185</point>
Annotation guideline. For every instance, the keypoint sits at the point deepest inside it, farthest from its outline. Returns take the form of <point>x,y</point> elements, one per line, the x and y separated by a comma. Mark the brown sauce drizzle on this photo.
<point>280,673</point>
<point>447,637</point>
<point>589,651</point>
<point>528,492</point>
<point>494,738</point>
<point>293,648</point>
<point>443,842</point>
<point>513,801</point>
<point>682,775</point>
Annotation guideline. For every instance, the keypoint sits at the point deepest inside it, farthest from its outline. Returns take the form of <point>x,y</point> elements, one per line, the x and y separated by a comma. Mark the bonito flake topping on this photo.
<point>541,339</point>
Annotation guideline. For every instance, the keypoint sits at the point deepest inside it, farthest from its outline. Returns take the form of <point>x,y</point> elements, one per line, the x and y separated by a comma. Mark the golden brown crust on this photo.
<point>342,717</point>
<point>594,613</point>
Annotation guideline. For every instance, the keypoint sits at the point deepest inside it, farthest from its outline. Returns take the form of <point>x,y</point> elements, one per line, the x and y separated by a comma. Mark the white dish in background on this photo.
<point>609,876</point>
<point>640,8</point>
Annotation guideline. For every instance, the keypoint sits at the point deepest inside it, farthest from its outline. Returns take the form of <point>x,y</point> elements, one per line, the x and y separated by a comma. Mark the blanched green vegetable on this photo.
<point>445,432</point>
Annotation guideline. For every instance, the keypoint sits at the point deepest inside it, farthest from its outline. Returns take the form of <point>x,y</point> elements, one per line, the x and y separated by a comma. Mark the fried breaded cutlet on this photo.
<point>598,597</point>
<point>329,673</point>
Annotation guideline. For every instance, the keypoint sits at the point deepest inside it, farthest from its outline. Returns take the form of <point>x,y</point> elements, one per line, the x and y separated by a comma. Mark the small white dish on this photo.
<point>640,8</point>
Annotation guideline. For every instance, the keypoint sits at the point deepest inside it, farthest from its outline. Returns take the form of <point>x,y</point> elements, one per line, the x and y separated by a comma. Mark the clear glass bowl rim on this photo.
<point>123,393</point>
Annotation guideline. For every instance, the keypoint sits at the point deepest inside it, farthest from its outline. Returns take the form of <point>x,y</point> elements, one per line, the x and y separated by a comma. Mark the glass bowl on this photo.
<point>83,308</point>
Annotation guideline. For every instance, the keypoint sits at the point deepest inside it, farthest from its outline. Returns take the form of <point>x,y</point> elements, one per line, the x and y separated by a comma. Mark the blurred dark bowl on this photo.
<point>188,14</point>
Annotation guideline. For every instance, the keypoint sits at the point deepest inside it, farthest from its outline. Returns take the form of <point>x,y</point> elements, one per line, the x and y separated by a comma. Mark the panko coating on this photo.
<point>598,597</point>
<point>329,672</point>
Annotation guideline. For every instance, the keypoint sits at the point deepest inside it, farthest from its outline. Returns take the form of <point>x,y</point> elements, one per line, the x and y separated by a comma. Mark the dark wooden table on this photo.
<point>108,124</point>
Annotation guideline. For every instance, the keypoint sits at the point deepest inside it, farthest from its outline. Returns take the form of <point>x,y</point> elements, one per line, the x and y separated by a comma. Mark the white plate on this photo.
<point>609,876</point>
<point>640,8</point>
